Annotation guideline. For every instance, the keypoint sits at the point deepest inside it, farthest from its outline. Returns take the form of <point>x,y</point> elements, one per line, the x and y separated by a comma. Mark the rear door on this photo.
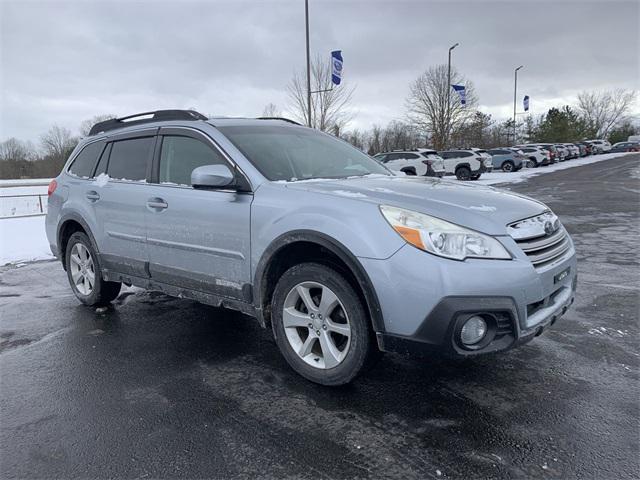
<point>198,239</point>
<point>120,202</point>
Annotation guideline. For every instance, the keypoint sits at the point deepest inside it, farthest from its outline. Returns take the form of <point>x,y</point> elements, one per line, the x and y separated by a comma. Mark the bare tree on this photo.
<point>16,150</point>
<point>427,104</point>
<point>271,110</point>
<point>329,107</point>
<point>57,144</point>
<point>86,125</point>
<point>603,110</point>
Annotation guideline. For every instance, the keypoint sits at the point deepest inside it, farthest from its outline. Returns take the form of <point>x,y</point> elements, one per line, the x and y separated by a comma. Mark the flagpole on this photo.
<point>449,94</point>
<point>515,93</point>
<point>306,17</point>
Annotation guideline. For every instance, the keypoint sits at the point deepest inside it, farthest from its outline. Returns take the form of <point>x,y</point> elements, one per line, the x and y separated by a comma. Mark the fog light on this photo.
<point>473,330</point>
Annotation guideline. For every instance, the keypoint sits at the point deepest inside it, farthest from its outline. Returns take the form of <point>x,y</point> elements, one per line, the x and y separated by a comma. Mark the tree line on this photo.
<point>434,118</point>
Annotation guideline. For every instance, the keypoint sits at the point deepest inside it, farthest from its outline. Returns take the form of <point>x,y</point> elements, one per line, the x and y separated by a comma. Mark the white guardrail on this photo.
<point>23,198</point>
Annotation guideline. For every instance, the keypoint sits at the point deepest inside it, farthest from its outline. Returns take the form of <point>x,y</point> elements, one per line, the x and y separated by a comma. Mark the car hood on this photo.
<point>478,207</point>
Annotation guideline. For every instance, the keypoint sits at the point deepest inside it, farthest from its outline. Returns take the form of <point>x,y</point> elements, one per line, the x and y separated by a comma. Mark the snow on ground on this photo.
<point>23,239</point>
<point>522,175</point>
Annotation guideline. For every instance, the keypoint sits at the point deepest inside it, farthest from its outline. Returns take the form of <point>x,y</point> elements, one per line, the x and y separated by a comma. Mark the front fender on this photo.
<point>359,226</point>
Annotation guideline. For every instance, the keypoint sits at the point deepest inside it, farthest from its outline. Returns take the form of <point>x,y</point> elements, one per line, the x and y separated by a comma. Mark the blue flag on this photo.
<point>336,67</point>
<point>462,92</point>
<point>526,103</point>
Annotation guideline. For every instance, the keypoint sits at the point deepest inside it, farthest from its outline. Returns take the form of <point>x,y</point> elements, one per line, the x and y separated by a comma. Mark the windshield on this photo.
<point>293,153</point>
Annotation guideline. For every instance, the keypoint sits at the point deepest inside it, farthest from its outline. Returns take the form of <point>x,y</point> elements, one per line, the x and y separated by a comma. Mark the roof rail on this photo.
<point>157,116</point>
<point>279,118</point>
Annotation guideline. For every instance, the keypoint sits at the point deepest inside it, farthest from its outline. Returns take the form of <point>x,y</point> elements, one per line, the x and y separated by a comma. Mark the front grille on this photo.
<point>545,249</point>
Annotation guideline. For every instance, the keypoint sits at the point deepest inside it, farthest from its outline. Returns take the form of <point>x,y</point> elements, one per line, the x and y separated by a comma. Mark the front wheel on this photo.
<point>321,325</point>
<point>83,271</point>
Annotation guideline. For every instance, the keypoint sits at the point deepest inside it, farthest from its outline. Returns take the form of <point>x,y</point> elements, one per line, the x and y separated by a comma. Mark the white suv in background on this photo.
<point>488,160</point>
<point>602,146</point>
<point>465,164</point>
<point>421,162</point>
<point>538,156</point>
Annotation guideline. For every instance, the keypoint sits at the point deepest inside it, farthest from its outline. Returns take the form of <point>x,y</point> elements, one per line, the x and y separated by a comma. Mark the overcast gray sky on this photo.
<point>63,62</point>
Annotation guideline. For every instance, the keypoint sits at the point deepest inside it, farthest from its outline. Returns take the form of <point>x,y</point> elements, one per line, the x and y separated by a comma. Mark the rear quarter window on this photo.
<point>85,162</point>
<point>129,159</point>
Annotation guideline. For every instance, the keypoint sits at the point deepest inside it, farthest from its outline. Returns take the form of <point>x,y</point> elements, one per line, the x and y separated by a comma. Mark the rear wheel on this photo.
<point>321,325</point>
<point>83,272</point>
<point>409,171</point>
<point>508,166</point>
<point>463,173</point>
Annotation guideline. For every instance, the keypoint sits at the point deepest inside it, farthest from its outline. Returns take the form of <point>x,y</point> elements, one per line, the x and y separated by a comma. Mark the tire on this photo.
<point>346,356</point>
<point>533,163</point>
<point>463,173</point>
<point>508,166</point>
<point>84,273</point>
<point>409,171</point>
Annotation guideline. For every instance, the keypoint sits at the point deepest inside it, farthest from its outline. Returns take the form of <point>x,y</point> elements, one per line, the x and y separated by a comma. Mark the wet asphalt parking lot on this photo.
<point>166,388</point>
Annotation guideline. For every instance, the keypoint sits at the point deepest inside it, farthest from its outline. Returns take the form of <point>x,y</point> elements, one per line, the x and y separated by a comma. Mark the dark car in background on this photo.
<point>625,147</point>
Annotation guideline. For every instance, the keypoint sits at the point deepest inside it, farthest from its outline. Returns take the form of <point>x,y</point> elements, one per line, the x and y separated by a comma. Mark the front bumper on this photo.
<point>426,299</point>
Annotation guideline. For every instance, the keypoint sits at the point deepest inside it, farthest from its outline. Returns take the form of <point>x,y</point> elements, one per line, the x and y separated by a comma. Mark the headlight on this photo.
<point>442,238</point>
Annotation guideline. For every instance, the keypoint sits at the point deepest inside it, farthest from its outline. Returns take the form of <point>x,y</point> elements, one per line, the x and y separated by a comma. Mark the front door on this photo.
<point>197,239</point>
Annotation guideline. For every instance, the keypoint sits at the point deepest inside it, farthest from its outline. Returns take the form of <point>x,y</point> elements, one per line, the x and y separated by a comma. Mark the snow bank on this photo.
<point>23,239</point>
<point>522,175</point>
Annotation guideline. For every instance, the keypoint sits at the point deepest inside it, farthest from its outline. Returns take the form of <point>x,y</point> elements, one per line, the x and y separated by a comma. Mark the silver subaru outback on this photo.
<point>338,256</point>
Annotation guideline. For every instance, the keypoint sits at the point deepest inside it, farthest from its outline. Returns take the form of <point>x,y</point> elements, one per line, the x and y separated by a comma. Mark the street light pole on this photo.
<point>449,94</point>
<point>306,17</point>
<point>515,93</point>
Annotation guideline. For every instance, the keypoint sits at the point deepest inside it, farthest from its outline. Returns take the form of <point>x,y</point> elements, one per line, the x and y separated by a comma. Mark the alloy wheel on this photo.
<point>82,268</point>
<point>316,325</point>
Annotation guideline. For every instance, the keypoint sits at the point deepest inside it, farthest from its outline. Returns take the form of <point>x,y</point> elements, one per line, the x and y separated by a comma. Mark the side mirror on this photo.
<point>212,176</point>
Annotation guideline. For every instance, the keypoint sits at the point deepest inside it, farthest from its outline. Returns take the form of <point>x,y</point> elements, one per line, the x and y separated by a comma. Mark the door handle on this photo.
<point>157,203</point>
<point>93,196</point>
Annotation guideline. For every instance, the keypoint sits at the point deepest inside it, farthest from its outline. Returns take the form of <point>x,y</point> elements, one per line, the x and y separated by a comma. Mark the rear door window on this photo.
<point>129,159</point>
<point>181,155</point>
<point>86,160</point>
<point>406,156</point>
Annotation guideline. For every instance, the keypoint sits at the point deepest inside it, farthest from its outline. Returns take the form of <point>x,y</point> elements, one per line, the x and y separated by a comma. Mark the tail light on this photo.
<point>52,187</point>
<point>427,162</point>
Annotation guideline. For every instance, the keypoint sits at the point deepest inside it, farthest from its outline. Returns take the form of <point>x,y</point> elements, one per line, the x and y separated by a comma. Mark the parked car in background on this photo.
<point>633,138</point>
<point>335,255</point>
<point>601,146</point>
<point>574,151</point>
<point>563,152</point>
<point>420,162</point>
<point>554,156</point>
<point>582,149</point>
<point>464,164</point>
<point>588,147</point>
<point>488,162</point>
<point>625,147</point>
<point>507,159</point>
<point>537,156</point>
